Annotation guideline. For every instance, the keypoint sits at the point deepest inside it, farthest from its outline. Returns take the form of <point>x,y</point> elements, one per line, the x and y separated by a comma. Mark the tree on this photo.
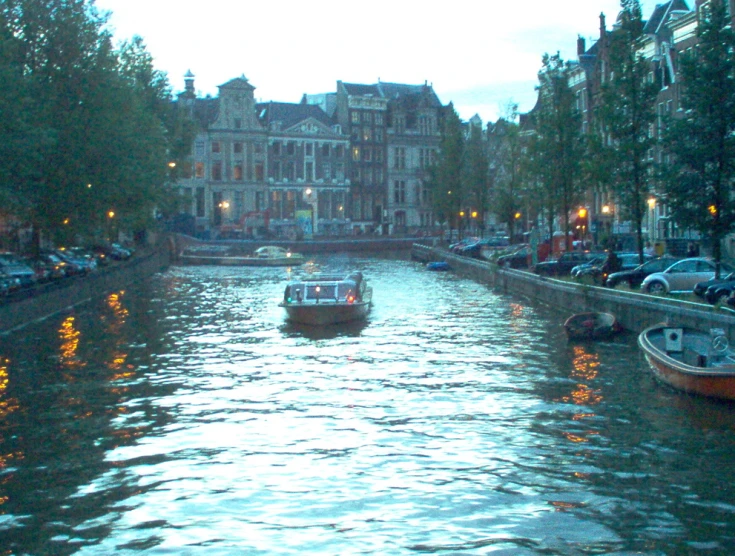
<point>87,129</point>
<point>474,175</point>
<point>506,154</point>
<point>558,146</point>
<point>445,175</point>
<point>699,180</point>
<point>627,113</point>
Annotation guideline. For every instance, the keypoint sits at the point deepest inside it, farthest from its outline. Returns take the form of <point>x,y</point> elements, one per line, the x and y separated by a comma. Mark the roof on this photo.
<point>290,114</point>
<point>661,15</point>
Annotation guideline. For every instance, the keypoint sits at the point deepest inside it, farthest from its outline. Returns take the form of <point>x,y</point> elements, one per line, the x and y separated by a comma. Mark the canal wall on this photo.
<point>58,297</point>
<point>244,247</point>
<point>635,311</point>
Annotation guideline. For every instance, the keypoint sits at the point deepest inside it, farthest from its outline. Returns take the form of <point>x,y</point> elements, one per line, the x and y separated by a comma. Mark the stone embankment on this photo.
<point>63,296</point>
<point>635,311</point>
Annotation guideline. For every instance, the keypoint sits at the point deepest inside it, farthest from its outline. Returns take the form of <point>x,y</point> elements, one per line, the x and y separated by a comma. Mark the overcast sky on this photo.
<point>480,55</point>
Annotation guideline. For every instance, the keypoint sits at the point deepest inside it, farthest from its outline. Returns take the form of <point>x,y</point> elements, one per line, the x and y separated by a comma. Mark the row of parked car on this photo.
<point>21,272</point>
<point>656,275</point>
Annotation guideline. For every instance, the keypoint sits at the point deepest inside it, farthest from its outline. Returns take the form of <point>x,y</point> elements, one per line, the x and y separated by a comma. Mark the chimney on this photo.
<point>580,46</point>
<point>189,83</point>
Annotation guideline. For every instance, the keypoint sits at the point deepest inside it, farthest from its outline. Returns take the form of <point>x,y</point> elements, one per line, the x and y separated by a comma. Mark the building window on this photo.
<point>258,148</point>
<point>356,154</point>
<point>309,171</point>
<point>399,192</point>
<point>277,170</point>
<point>400,158</point>
<point>290,147</point>
<point>367,134</point>
<point>200,202</point>
<point>325,150</point>
<point>199,149</point>
<point>326,170</point>
<point>238,123</point>
<point>379,155</point>
<point>366,117</point>
<point>355,117</point>
<point>215,146</point>
<point>309,149</point>
<point>199,170</point>
<point>259,171</point>
<point>367,154</point>
<point>277,148</point>
<point>237,147</point>
<point>379,135</point>
<point>339,171</point>
<point>237,172</point>
<point>217,170</point>
<point>378,119</point>
<point>339,151</point>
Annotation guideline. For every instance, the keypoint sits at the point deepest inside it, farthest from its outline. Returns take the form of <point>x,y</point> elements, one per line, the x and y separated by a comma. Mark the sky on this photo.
<point>481,55</point>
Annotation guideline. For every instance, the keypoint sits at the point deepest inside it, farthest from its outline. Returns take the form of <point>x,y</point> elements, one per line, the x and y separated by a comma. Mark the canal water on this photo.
<point>184,416</point>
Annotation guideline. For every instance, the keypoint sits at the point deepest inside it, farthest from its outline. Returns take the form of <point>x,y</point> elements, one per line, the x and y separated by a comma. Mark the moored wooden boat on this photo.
<point>438,265</point>
<point>591,326</point>
<point>691,360</point>
<point>269,255</point>
<point>327,299</point>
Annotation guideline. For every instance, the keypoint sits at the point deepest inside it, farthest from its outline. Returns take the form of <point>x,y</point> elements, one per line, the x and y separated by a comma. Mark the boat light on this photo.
<point>350,299</point>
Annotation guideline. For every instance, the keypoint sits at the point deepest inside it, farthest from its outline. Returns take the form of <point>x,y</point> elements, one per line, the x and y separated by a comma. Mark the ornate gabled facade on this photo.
<point>307,171</point>
<point>226,178</point>
<point>355,159</point>
<point>413,140</point>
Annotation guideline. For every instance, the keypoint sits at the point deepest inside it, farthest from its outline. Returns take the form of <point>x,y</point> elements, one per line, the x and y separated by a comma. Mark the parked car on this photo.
<point>682,276</point>
<point>478,248</point>
<point>634,277</point>
<point>594,270</point>
<point>715,290</point>
<point>74,266</point>
<point>8,284</point>
<point>49,266</point>
<point>456,247</point>
<point>564,263</point>
<point>518,258</point>
<point>588,268</point>
<point>12,265</point>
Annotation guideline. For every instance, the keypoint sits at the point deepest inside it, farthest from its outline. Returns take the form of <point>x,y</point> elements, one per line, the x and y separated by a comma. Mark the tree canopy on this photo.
<point>701,140</point>
<point>85,129</point>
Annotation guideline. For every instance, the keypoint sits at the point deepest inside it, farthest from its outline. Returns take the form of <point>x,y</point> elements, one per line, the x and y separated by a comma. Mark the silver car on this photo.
<point>683,275</point>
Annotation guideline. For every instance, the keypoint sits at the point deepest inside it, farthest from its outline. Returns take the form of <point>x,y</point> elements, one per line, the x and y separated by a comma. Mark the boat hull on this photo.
<point>591,326</point>
<point>322,314</point>
<point>715,381</point>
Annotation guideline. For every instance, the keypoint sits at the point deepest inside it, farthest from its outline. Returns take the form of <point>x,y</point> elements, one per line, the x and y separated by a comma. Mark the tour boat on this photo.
<point>269,255</point>
<point>591,326</point>
<point>691,360</point>
<point>327,299</point>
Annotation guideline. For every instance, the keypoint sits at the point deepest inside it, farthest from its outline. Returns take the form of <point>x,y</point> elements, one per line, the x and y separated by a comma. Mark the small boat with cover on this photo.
<point>327,299</point>
<point>268,255</point>
<point>691,360</point>
<point>591,326</point>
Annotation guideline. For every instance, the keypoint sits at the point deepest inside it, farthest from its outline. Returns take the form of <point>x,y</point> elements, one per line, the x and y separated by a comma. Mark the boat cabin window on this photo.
<point>322,291</point>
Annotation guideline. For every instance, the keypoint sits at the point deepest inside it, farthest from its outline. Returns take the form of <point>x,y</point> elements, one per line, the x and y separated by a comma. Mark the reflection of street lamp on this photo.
<point>110,216</point>
<point>651,226</point>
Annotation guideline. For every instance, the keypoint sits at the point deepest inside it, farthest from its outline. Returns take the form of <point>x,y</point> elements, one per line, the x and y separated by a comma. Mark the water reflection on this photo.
<point>185,415</point>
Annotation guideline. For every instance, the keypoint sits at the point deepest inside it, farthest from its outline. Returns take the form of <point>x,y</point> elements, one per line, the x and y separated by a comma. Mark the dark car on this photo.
<point>564,263</point>
<point>13,266</point>
<point>476,248</point>
<point>595,269</point>
<point>715,290</point>
<point>516,259</point>
<point>635,276</point>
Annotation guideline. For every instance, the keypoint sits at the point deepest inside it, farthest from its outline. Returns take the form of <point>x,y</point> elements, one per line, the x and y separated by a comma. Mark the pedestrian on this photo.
<point>649,250</point>
<point>612,264</point>
<point>692,250</point>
